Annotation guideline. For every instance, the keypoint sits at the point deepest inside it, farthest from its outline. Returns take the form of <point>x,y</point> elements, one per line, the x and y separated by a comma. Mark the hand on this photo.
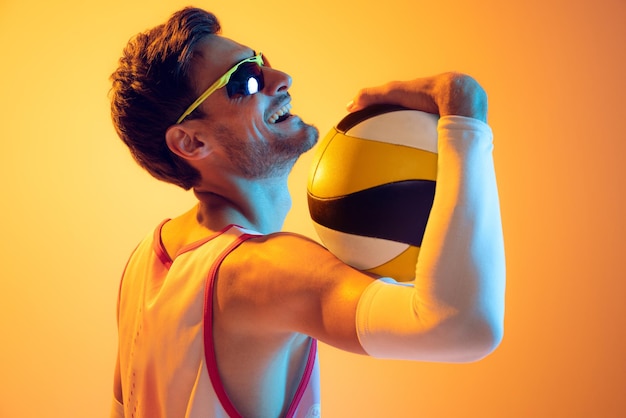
<point>444,94</point>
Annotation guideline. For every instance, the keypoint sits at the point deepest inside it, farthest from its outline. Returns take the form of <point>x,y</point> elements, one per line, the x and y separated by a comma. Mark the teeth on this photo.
<point>280,112</point>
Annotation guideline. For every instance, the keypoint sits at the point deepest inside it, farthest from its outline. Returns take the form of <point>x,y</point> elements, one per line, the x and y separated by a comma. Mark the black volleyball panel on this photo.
<point>395,211</point>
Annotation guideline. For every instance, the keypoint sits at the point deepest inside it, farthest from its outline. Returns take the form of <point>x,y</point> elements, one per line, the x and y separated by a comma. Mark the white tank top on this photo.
<point>167,361</point>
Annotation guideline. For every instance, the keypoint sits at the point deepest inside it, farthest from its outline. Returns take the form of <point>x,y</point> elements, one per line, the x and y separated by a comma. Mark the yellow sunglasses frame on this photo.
<point>221,82</point>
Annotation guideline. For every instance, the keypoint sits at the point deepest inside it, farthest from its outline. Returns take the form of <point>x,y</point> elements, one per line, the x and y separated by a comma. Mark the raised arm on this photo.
<point>455,310</point>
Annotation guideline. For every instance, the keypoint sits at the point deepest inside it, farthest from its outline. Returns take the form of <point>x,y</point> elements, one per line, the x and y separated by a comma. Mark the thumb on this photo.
<point>366,97</point>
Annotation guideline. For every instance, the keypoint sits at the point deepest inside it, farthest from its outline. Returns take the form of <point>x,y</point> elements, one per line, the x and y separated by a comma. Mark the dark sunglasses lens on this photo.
<point>247,80</point>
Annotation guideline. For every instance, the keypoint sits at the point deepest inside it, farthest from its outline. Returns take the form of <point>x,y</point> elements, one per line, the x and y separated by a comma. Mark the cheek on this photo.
<point>245,132</point>
<point>245,119</point>
<point>257,129</point>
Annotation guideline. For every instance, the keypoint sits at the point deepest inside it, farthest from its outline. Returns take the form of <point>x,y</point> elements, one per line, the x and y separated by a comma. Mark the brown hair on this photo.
<point>152,88</point>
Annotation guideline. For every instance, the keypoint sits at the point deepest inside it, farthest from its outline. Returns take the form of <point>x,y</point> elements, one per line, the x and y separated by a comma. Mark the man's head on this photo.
<point>163,72</point>
<point>151,88</point>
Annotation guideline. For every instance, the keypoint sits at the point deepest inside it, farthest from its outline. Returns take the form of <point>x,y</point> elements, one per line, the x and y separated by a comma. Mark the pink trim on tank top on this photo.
<point>159,248</point>
<point>209,347</point>
<point>304,382</point>
<point>162,254</point>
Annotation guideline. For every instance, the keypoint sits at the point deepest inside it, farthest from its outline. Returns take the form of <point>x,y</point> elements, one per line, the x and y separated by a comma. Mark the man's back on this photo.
<point>178,345</point>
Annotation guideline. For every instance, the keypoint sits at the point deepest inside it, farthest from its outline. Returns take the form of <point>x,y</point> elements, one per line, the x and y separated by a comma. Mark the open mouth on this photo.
<point>281,114</point>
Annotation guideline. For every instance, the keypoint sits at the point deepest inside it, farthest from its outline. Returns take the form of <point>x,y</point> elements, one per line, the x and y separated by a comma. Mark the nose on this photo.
<point>276,81</point>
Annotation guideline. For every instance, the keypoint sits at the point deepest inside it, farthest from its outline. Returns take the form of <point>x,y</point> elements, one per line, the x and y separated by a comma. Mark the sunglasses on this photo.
<point>244,79</point>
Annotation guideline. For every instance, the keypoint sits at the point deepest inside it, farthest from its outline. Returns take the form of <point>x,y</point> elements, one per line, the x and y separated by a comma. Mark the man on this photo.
<point>220,312</point>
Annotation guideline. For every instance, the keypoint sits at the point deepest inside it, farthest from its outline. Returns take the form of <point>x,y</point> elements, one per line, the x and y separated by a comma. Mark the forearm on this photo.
<point>461,268</point>
<point>456,306</point>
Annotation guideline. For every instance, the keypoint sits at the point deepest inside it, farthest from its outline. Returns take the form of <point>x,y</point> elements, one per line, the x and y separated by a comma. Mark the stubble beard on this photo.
<point>271,158</point>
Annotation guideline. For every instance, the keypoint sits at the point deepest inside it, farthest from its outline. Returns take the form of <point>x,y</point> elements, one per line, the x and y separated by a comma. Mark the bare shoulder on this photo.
<point>289,283</point>
<point>290,255</point>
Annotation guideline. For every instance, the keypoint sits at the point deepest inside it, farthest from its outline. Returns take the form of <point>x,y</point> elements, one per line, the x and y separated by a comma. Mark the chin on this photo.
<point>312,134</point>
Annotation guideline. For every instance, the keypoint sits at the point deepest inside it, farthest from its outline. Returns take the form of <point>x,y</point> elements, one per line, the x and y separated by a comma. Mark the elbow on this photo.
<point>486,342</point>
<point>478,331</point>
<point>478,339</point>
<point>469,341</point>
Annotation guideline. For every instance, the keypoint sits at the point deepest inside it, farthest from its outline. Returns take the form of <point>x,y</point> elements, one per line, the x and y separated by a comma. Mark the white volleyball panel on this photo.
<point>404,127</point>
<point>360,252</point>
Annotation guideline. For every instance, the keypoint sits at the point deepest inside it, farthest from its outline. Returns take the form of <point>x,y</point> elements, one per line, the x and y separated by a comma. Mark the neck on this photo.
<point>258,204</point>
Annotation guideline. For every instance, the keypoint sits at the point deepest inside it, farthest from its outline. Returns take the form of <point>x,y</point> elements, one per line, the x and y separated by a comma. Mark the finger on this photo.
<point>415,94</point>
<point>367,97</point>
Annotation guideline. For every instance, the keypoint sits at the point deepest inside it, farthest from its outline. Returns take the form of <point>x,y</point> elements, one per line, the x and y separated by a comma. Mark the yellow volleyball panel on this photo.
<point>347,165</point>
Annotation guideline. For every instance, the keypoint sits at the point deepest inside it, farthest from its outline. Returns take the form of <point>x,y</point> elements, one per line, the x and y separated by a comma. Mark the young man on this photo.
<point>220,312</point>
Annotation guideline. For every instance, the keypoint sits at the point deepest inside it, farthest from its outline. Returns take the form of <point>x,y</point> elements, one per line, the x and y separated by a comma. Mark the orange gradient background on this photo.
<point>74,204</point>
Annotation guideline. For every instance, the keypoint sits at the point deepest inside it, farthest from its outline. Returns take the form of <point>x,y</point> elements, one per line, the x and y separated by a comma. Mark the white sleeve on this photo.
<point>460,273</point>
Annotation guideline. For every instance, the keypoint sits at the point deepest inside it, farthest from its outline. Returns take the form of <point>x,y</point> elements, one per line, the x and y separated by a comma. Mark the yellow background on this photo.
<point>74,204</point>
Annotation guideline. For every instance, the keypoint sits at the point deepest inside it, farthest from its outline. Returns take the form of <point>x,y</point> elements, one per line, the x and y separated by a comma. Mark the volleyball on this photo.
<point>371,188</point>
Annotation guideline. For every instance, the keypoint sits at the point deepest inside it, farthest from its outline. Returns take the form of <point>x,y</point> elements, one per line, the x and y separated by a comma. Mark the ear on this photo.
<point>187,143</point>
